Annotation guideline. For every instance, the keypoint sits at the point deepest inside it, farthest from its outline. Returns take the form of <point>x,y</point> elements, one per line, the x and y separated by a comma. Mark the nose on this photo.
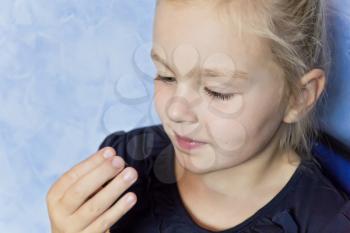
<point>183,107</point>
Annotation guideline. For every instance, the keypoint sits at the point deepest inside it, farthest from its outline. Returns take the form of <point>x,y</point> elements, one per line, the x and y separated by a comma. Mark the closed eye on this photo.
<point>212,94</point>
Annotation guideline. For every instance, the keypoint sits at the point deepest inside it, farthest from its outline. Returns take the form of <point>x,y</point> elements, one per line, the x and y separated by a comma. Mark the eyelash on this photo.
<point>212,94</point>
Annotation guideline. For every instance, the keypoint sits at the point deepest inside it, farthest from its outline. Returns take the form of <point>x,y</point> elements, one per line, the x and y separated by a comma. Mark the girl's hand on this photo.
<point>79,202</point>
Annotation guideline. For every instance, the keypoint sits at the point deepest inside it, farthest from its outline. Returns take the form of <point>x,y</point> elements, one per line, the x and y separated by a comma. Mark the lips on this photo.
<point>190,140</point>
<point>188,144</point>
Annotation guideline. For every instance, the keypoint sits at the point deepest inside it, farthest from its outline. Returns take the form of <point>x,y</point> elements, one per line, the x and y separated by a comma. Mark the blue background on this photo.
<point>72,71</point>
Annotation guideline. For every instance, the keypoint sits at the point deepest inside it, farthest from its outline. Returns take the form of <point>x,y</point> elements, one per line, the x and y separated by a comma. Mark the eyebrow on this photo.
<point>212,72</point>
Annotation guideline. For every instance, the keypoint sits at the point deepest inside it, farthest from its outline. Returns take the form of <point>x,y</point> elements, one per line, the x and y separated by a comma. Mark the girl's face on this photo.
<point>219,88</point>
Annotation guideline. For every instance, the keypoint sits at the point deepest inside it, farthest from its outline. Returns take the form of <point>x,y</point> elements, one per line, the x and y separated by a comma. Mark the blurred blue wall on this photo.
<point>335,114</point>
<point>72,71</point>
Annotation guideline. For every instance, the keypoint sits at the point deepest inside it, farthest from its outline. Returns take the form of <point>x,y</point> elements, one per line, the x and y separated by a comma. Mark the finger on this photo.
<point>113,214</point>
<point>98,204</point>
<point>79,170</point>
<point>78,193</point>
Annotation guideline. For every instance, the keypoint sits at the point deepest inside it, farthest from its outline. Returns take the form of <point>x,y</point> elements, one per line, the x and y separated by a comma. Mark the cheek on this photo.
<point>228,135</point>
<point>160,98</point>
<point>227,109</point>
<point>266,113</point>
<point>245,125</point>
<point>262,118</point>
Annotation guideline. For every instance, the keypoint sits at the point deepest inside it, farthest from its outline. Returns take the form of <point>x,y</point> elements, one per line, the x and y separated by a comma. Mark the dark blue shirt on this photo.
<point>309,203</point>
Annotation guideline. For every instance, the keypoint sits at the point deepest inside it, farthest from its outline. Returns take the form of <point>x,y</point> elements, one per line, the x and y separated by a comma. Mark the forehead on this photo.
<point>201,27</point>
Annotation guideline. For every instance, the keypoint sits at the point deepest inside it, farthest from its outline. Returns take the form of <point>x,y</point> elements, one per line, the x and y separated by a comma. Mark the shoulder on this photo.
<point>314,204</point>
<point>145,136</point>
<point>318,185</point>
<point>139,146</point>
<point>340,223</point>
<point>320,201</point>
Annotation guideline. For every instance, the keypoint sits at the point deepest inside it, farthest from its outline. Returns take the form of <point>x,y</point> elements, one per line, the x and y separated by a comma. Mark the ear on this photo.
<point>312,85</point>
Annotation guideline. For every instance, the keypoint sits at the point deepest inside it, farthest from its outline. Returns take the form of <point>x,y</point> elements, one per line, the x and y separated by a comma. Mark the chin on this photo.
<point>196,163</point>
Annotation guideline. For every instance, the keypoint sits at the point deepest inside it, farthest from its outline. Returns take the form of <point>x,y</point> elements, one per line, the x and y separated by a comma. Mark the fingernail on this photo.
<point>130,199</point>
<point>108,154</point>
<point>129,176</point>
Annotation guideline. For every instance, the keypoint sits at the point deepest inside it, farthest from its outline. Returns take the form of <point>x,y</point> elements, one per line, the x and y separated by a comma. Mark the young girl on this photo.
<point>236,88</point>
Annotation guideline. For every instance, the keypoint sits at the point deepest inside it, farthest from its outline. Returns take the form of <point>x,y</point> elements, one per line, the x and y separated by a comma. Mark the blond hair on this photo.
<point>296,32</point>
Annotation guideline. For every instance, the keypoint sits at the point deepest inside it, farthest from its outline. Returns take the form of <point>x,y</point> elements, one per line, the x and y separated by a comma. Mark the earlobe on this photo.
<point>292,111</point>
<point>291,116</point>
<point>312,85</point>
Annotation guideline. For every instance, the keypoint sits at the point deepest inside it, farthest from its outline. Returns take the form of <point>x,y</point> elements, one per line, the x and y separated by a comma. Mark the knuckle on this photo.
<point>49,204</point>
<point>63,203</point>
<point>48,197</point>
<point>72,175</point>
<point>104,224</point>
<point>94,208</point>
<point>75,193</point>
